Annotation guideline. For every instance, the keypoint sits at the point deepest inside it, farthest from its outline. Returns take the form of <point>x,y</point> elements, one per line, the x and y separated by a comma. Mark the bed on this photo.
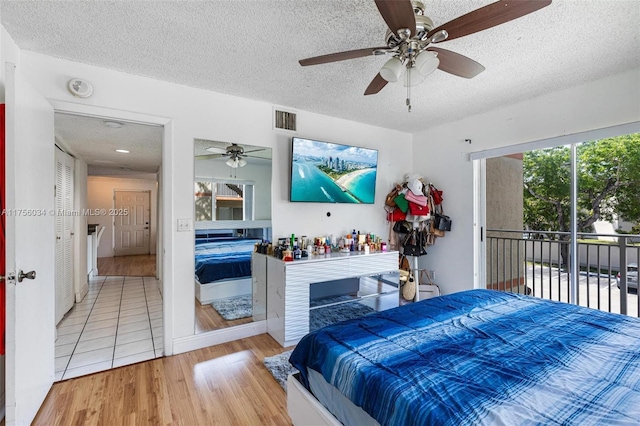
<point>223,266</point>
<point>474,357</point>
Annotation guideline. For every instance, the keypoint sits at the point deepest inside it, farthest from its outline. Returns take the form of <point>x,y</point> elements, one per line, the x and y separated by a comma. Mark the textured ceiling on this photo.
<point>251,49</point>
<point>90,139</point>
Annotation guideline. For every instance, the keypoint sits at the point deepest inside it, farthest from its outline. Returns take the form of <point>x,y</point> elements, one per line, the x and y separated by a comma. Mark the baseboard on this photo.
<point>203,340</point>
<point>83,292</point>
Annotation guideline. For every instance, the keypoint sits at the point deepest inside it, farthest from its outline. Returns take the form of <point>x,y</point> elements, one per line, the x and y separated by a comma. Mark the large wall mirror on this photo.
<point>232,195</point>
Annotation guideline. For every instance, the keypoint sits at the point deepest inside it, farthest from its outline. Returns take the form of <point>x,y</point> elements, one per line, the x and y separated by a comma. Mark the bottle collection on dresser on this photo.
<point>298,247</point>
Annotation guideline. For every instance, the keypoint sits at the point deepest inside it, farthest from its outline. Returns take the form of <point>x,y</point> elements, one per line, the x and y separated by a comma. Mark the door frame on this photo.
<point>164,268</point>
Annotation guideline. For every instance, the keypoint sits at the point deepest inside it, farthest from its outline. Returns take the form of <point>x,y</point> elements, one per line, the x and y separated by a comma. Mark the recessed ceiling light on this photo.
<point>124,151</point>
<point>113,124</point>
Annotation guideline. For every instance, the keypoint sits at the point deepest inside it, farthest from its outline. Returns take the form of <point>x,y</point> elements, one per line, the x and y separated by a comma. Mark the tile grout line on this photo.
<point>157,289</point>
<point>82,331</point>
<point>146,303</point>
<point>115,341</point>
<point>148,319</point>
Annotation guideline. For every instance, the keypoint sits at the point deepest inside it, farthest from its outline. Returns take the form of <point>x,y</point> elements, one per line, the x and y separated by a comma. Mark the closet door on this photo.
<point>64,233</point>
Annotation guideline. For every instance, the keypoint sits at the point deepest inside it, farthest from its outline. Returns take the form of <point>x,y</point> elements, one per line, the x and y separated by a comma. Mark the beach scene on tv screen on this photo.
<point>332,173</point>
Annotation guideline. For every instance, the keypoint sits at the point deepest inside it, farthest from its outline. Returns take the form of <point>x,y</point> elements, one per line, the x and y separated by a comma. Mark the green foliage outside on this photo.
<point>203,201</point>
<point>608,184</point>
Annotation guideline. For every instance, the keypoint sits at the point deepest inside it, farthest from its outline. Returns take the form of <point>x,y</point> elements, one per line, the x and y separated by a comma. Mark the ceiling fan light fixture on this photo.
<point>391,70</point>
<point>413,77</point>
<point>426,62</point>
<point>235,162</point>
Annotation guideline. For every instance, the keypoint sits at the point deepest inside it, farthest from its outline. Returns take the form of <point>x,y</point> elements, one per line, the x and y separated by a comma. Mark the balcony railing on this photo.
<point>537,263</point>
<point>227,191</point>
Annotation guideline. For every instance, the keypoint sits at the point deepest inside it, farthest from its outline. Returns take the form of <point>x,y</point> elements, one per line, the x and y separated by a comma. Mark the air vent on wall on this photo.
<point>285,120</point>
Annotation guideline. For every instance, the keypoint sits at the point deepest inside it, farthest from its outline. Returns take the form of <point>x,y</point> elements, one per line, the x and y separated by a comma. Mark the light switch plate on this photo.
<point>184,225</point>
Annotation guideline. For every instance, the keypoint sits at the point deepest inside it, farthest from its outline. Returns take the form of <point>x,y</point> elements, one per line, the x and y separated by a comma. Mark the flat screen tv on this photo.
<point>323,172</point>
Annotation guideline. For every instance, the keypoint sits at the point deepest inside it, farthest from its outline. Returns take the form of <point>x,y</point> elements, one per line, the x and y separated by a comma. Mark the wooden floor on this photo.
<point>143,265</point>
<point>208,319</point>
<point>220,385</point>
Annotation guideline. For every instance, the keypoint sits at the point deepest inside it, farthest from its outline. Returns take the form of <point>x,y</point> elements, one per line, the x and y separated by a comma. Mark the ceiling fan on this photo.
<point>411,35</point>
<point>235,153</point>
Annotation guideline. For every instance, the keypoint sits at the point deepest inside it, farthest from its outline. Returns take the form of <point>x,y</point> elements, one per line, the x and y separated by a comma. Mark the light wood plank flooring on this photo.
<point>208,319</point>
<point>142,265</point>
<point>220,385</point>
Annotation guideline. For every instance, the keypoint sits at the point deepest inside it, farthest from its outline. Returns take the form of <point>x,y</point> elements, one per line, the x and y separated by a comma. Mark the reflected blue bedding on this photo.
<point>226,258</point>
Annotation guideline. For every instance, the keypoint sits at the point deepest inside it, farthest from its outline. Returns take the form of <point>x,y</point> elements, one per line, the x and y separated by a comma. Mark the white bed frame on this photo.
<point>304,409</point>
<point>207,293</point>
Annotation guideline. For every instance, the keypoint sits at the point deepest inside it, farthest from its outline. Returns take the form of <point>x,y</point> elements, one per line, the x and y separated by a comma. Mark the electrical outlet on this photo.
<point>433,274</point>
<point>184,225</point>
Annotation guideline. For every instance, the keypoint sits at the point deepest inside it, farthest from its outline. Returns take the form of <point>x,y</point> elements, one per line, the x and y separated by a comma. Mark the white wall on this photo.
<point>259,173</point>
<point>442,155</point>
<point>194,113</point>
<point>80,278</point>
<point>100,192</point>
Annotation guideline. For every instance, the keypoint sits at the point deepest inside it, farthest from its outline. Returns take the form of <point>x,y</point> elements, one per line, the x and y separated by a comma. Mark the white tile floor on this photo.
<point>119,322</point>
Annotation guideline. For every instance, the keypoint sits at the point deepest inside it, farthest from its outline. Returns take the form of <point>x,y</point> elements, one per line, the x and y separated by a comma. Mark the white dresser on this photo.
<point>288,285</point>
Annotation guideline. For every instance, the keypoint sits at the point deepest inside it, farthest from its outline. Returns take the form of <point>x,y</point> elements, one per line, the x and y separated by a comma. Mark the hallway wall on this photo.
<point>100,191</point>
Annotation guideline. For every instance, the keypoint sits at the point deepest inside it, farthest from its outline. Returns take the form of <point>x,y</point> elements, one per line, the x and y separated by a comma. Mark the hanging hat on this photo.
<point>415,186</point>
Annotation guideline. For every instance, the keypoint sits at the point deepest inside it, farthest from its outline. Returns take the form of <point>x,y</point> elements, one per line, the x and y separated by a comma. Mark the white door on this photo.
<point>64,233</point>
<point>131,216</point>
<point>30,176</point>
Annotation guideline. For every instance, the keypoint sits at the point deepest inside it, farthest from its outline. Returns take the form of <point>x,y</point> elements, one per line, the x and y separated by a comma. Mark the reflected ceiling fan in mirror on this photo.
<point>411,35</point>
<point>234,153</point>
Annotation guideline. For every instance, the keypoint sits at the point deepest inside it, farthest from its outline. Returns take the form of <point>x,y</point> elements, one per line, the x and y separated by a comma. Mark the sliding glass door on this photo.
<point>561,222</point>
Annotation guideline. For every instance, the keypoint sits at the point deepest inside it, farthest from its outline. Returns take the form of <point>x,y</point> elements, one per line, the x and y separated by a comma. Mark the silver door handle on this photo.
<point>31,275</point>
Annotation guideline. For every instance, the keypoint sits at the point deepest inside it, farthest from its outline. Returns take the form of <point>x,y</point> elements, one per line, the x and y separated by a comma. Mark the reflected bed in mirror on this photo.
<point>232,214</point>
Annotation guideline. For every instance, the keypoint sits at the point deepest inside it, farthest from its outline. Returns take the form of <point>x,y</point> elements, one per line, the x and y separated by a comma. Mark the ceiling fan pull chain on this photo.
<point>408,91</point>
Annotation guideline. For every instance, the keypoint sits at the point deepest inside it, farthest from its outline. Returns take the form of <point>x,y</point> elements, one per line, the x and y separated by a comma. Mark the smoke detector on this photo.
<point>80,88</point>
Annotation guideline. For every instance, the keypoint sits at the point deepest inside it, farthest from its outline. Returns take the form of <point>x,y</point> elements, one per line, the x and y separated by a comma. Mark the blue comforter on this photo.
<point>224,259</point>
<point>483,357</point>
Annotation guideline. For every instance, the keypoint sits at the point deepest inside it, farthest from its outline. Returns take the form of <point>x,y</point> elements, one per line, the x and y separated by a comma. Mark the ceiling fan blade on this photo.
<point>457,64</point>
<point>489,16</point>
<point>256,157</point>
<point>397,14</point>
<point>376,85</point>
<point>340,56</point>
<point>215,149</point>
<point>209,156</point>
